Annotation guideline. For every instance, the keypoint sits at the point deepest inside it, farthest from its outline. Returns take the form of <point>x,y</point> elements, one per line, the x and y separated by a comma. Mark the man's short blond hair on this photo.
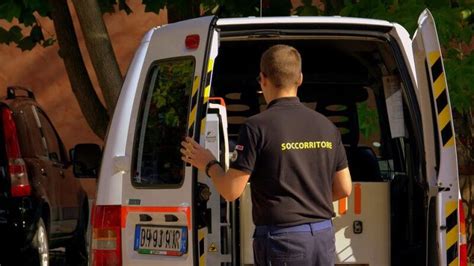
<point>281,64</point>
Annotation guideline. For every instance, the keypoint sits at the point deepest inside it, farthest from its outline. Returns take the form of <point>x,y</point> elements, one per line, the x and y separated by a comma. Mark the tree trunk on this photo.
<point>100,50</point>
<point>91,107</point>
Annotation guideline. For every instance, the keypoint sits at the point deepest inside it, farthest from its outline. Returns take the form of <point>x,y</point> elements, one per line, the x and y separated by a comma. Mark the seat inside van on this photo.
<point>344,78</point>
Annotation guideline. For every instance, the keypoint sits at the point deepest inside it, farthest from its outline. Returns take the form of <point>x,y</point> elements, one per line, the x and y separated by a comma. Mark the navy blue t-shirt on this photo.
<point>292,153</point>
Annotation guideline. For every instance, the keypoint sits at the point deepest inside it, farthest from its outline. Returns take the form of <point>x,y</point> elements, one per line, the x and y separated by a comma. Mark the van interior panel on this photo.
<point>343,78</point>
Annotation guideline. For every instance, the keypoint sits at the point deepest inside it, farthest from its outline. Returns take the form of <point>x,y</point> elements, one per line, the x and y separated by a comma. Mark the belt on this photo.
<point>261,230</point>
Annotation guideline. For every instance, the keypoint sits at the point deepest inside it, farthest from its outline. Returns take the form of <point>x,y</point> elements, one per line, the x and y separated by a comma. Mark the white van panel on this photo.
<point>372,246</point>
<point>302,20</point>
<point>110,191</point>
<point>403,38</point>
<point>369,203</point>
<point>156,202</point>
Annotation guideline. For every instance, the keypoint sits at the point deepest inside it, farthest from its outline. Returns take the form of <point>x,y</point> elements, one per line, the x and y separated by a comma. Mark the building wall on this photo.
<point>43,71</point>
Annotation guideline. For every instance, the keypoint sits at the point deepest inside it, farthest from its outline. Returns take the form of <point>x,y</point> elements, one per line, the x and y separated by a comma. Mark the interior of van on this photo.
<point>358,83</point>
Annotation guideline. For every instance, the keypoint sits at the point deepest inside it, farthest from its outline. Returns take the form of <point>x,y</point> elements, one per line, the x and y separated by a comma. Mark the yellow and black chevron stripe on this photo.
<point>201,246</point>
<point>440,93</point>
<point>451,214</point>
<point>194,101</point>
<point>206,94</point>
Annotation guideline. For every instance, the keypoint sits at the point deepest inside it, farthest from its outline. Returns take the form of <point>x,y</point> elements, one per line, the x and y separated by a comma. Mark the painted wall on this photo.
<point>43,71</point>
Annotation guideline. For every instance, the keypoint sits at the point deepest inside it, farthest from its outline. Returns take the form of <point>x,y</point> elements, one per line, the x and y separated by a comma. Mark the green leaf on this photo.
<point>27,17</point>
<point>4,36</point>
<point>48,42</point>
<point>26,43</point>
<point>438,3</point>
<point>466,35</point>
<point>107,6</point>
<point>33,4</point>
<point>154,5</point>
<point>15,34</point>
<point>43,8</point>
<point>123,6</point>
<point>36,34</point>
<point>9,10</point>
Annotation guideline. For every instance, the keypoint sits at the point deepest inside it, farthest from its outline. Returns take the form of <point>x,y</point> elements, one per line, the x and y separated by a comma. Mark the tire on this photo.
<point>76,250</point>
<point>40,245</point>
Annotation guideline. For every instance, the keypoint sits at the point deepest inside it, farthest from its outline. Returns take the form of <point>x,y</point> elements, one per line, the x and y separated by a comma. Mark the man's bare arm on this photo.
<point>229,184</point>
<point>341,184</point>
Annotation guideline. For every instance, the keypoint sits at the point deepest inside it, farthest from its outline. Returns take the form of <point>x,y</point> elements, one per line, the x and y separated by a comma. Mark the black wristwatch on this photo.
<point>209,165</point>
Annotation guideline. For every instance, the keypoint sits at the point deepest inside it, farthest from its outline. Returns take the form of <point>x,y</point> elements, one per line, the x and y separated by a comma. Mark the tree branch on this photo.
<point>100,50</point>
<point>91,107</point>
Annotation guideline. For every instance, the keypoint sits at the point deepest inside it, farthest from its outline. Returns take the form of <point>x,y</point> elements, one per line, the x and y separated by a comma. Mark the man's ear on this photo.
<point>263,79</point>
<point>300,80</point>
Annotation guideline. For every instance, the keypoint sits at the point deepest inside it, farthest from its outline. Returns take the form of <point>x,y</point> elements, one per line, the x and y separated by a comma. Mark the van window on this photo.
<point>32,142</point>
<point>52,142</point>
<point>162,124</point>
<point>369,127</point>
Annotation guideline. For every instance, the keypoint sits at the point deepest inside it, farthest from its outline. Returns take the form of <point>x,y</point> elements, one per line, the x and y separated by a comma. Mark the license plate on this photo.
<point>161,240</point>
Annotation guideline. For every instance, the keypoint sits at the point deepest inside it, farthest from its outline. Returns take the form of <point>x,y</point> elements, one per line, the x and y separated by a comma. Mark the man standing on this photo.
<point>297,165</point>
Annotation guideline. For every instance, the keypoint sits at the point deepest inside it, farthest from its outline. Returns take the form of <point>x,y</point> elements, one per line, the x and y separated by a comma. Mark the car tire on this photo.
<point>40,245</point>
<point>76,250</point>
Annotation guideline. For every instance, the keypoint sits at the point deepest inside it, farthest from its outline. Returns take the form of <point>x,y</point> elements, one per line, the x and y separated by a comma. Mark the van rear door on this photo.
<point>439,141</point>
<point>158,203</point>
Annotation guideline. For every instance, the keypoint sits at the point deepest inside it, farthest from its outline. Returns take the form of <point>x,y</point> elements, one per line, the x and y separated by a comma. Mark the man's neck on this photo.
<point>280,93</point>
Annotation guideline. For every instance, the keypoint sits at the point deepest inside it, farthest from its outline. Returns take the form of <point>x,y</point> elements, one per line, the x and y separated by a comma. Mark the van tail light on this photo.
<point>106,235</point>
<point>192,41</point>
<point>20,185</point>
<point>462,238</point>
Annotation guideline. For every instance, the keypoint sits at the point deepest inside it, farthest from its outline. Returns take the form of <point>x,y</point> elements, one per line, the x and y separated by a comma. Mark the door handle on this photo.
<point>43,172</point>
<point>145,218</point>
<point>61,173</point>
<point>171,218</point>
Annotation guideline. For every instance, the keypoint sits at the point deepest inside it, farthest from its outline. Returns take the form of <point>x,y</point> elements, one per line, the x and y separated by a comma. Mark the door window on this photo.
<point>162,124</point>
<point>54,148</point>
<point>31,139</point>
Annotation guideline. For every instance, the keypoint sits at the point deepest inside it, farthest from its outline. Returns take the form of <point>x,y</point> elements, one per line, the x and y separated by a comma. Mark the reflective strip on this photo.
<point>150,209</point>
<point>444,117</point>
<point>192,115</point>
<point>342,208</point>
<point>210,65</point>
<point>206,94</point>
<point>201,247</point>
<point>357,199</point>
<point>439,85</point>
<point>195,85</point>
<point>194,101</point>
<point>441,97</point>
<point>455,262</point>
<point>451,240</point>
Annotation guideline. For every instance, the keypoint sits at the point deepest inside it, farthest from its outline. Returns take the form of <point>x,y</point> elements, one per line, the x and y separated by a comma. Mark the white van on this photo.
<point>386,92</point>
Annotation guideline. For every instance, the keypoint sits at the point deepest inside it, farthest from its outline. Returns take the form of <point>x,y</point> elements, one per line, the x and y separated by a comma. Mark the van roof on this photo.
<point>304,20</point>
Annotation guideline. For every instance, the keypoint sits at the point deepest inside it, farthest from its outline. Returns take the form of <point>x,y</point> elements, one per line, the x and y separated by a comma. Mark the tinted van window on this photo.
<point>54,148</point>
<point>162,124</point>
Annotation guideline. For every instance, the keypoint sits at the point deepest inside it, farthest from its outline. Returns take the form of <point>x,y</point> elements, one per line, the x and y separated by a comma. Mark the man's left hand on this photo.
<point>195,154</point>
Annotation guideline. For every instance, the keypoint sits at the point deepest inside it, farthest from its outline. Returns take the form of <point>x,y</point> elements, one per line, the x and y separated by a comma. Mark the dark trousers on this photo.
<point>302,245</point>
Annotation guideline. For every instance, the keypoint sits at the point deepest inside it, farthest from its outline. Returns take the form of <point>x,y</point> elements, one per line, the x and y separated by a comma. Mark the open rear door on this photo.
<point>439,141</point>
<point>159,205</point>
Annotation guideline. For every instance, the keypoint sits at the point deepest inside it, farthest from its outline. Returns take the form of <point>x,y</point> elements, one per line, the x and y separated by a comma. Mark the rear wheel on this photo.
<point>76,250</point>
<point>40,246</point>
